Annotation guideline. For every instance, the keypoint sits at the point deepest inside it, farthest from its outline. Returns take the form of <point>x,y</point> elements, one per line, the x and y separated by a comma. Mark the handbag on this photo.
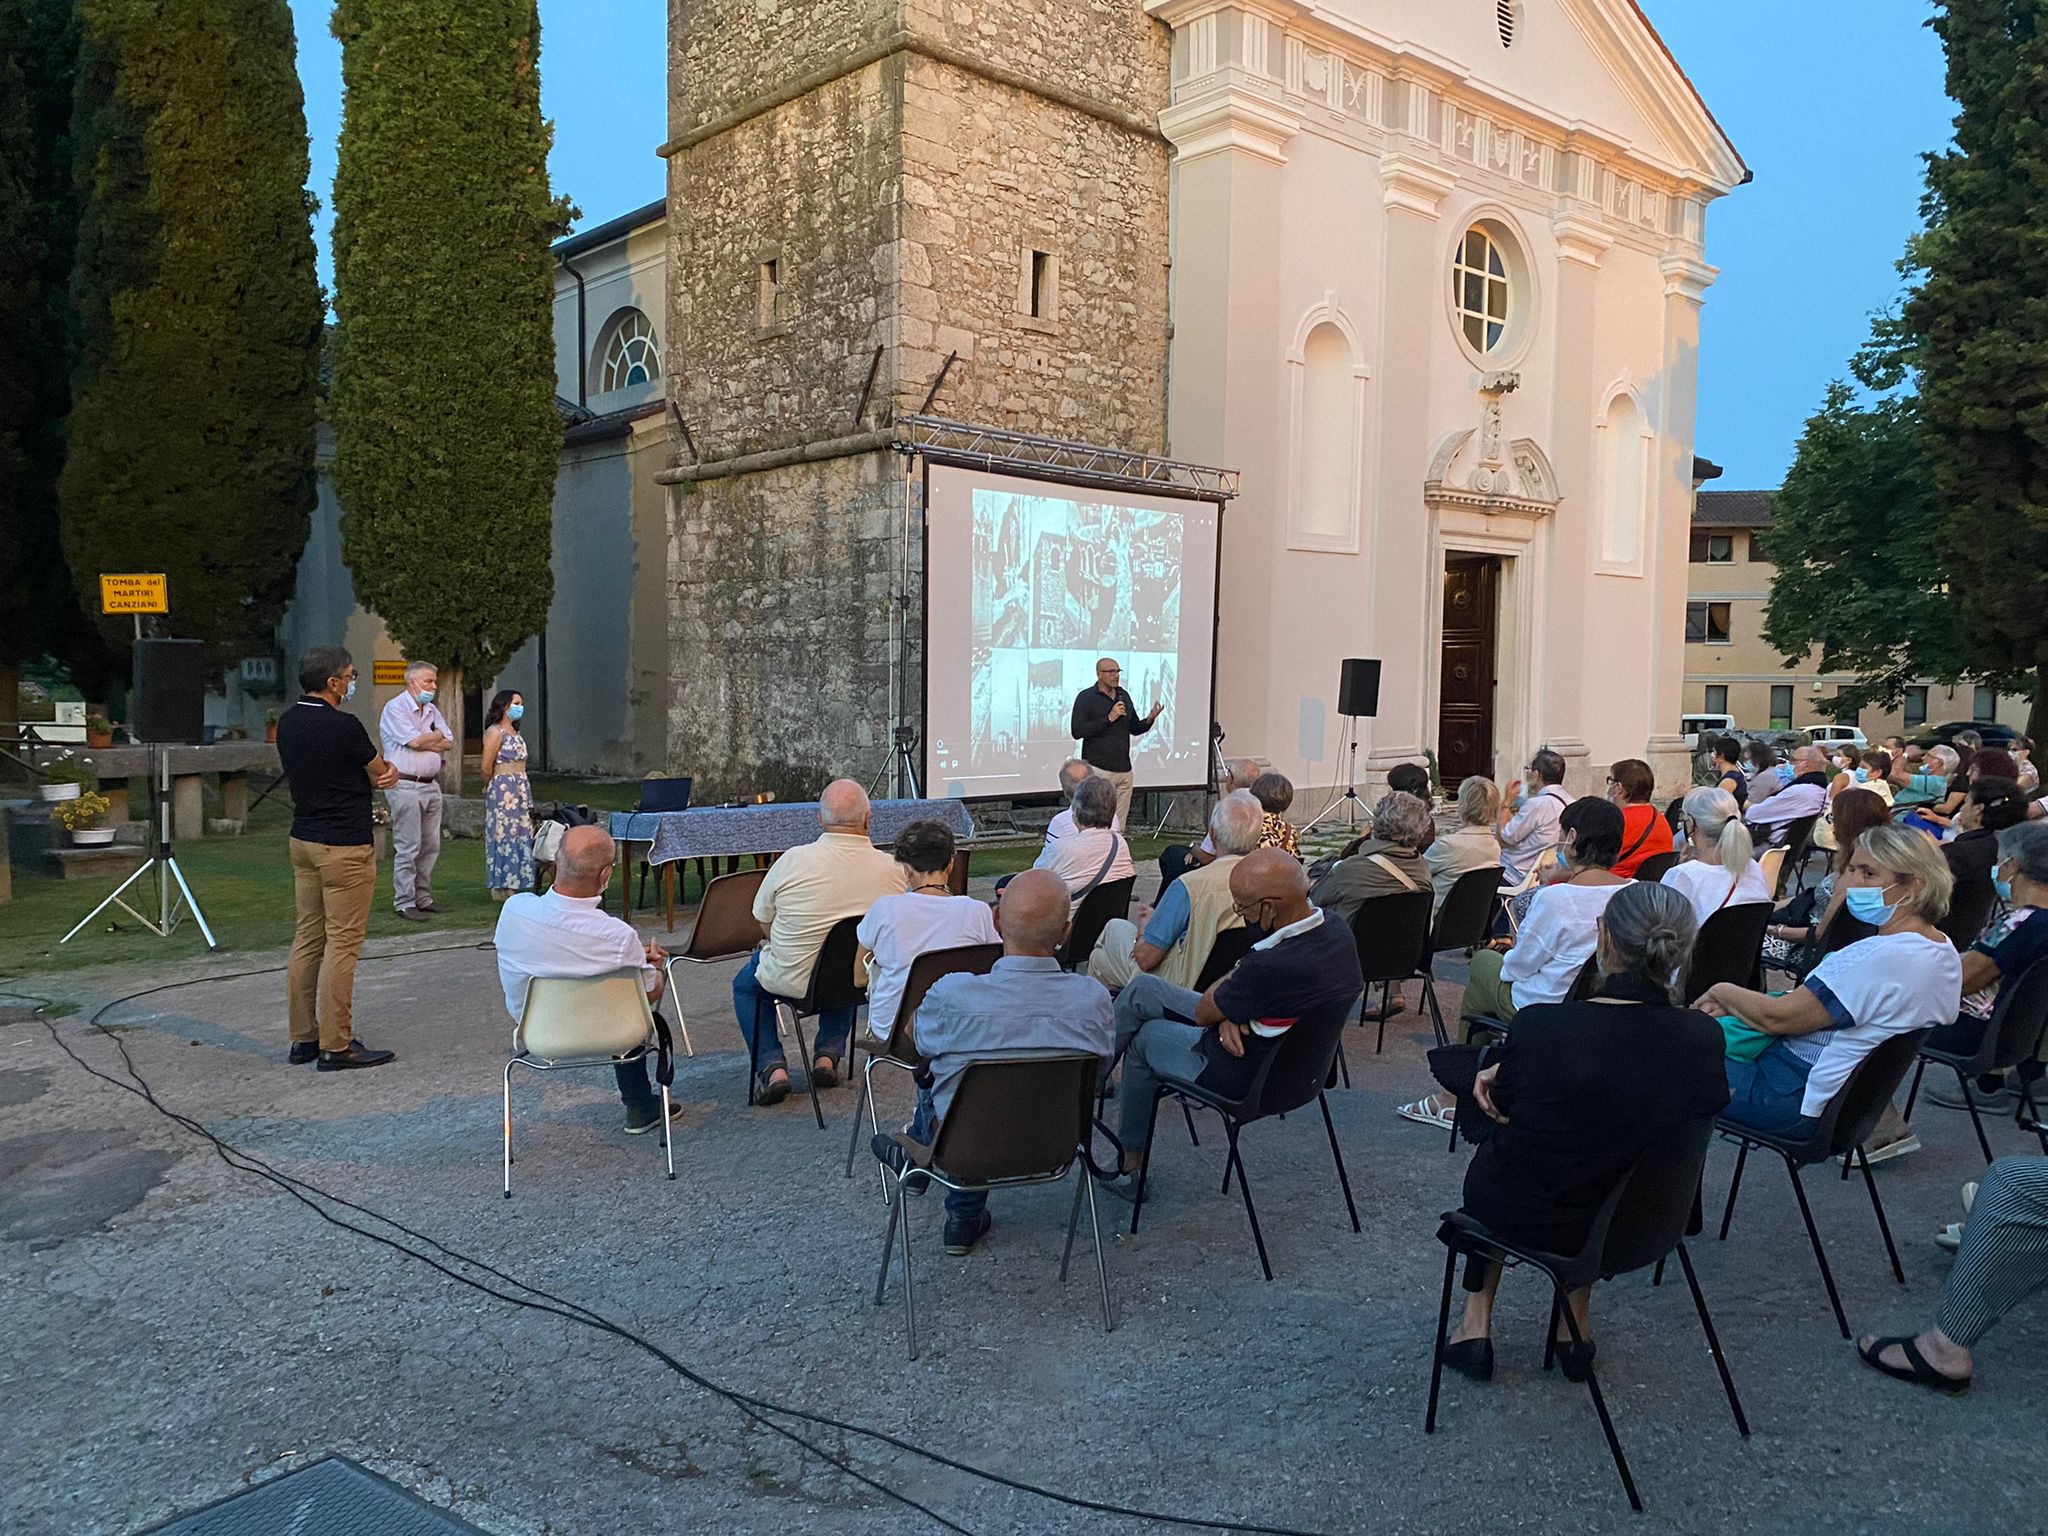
<point>1456,1067</point>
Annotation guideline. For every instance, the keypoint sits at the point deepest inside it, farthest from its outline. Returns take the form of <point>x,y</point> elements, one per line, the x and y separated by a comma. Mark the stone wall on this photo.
<point>725,54</point>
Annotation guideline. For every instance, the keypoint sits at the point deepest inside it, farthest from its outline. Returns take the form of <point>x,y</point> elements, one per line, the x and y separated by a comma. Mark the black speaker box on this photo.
<point>170,690</point>
<point>1358,693</point>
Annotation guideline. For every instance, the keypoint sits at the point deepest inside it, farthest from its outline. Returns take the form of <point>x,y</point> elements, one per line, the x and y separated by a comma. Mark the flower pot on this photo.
<point>90,837</point>
<point>99,738</point>
<point>270,731</point>
<point>58,791</point>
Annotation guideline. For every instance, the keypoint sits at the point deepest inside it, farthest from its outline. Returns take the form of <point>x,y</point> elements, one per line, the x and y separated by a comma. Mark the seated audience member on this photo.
<point>1946,787</point>
<point>1026,1003</point>
<point>1794,926</point>
<point>1384,864</point>
<point>1644,831</point>
<point>926,917</point>
<point>1906,977</point>
<point>1766,774</point>
<point>1410,779</point>
<point>1728,773</point>
<point>1472,843</point>
<point>1174,938</point>
<point>804,894</point>
<point>1717,870</point>
<point>1972,848</point>
<point>563,935</point>
<point>2002,1260</point>
<point>1927,783</point>
<point>1239,773</point>
<point>1275,793</point>
<point>1529,825</point>
<point>2023,757</point>
<point>1095,853</point>
<point>1171,1034</point>
<point>1072,772</point>
<point>1580,1091</point>
<point>1878,784</point>
<point>1556,940</point>
<point>1806,795</point>
<point>2008,949</point>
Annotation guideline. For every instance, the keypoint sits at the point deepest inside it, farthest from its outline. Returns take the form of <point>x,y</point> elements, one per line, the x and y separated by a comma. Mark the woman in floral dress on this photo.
<point>508,799</point>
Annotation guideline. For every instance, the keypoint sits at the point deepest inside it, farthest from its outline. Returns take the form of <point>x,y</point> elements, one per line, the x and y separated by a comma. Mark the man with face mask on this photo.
<point>328,758</point>
<point>415,738</point>
<point>1528,828</point>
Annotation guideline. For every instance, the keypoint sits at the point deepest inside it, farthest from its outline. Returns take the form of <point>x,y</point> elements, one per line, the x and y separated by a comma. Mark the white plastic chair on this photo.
<point>1508,893</point>
<point>1770,865</point>
<point>595,1021</point>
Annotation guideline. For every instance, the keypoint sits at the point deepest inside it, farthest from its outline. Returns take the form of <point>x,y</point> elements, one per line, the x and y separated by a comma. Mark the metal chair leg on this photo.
<point>1073,1223</point>
<point>508,1130</point>
<point>1145,1166</point>
<point>1819,1253</point>
<point>1550,1329</point>
<point>1699,1302</point>
<point>1735,1183</point>
<point>1337,1155</point>
<point>867,1087</point>
<point>1343,1065</point>
<point>1913,1093</point>
<point>1386,1002</point>
<point>1976,1119</point>
<point>1443,1328</point>
<point>1635,1501</point>
<point>1101,1264</point>
<point>1189,1116</point>
<point>895,1199</point>
<point>1244,1188</point>
<point>909,1284</point>
<point>1436,1012</point>
<point>1877,1205</point>
<point>803,1052</point>
<point>668,1140</point>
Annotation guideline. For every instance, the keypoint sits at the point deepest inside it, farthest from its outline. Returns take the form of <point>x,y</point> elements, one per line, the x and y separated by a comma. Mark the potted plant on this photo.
<point>86,818</point>
<point>270,725</point>
<point>65,778</point>
<point>99,730</point>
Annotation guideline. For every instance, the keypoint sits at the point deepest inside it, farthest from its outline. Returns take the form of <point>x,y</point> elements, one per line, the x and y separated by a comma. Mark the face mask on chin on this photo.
<point>426,695</point>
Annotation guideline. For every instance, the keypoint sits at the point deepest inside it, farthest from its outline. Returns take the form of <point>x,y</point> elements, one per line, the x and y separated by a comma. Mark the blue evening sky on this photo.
<point>1831,102</point>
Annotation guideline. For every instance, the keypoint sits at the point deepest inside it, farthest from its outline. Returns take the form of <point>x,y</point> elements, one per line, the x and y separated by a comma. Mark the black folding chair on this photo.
<point>660,795</point>
<point>832,988</point>
<point>1107,901</point>
<point>1729,948</point>
<point>1969,911</point>
<point>1463,922</point>
<point>1392,935</point>
<point>2015,1033</point>
<point>1294,1071</point>
<point>1798,845</point>
<point>1850,1117</point>
<point>1022,1118</point>
<point>725,929</point>
<point>1656,867</point>
<point>1649,1214</point>
<point>1231,946</point>
<point>901,1051</point>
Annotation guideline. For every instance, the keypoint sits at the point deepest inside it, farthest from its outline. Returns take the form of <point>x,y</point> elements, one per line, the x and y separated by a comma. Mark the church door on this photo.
<point>1465,708</point>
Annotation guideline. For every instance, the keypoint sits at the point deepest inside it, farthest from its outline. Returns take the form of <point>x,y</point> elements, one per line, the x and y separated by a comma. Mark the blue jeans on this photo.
<point>961,1204</point>
<point>1156,1038</point>
<point>1765,1094</point>
<point>755,1007</point>
<point>636,1088</point>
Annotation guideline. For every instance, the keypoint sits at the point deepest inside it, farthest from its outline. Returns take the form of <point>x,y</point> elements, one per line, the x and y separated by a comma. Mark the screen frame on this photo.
<point>1050,476</point>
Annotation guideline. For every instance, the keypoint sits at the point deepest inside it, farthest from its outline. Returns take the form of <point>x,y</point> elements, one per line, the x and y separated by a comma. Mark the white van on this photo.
<point>1694,728</point>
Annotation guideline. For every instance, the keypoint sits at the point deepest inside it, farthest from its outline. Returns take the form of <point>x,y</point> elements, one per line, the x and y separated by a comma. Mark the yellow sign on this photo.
<point>388,674</point>
<point>135,594</point>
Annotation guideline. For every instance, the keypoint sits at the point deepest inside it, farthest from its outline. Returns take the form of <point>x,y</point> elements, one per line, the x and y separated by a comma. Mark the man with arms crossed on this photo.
<point>414,737</point>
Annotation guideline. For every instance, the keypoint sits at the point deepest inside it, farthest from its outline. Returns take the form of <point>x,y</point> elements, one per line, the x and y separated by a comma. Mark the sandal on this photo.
<point>824,1072</point>
<point>769,1088</point>
<point>1916,1369</point>
<point>1426,1111</point>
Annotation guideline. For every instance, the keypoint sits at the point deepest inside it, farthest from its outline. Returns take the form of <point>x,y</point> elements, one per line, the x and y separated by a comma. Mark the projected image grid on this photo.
<point>1057,584</point>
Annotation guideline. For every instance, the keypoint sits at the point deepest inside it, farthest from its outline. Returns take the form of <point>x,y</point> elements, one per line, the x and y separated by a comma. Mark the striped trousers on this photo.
<point>2004,1254</point>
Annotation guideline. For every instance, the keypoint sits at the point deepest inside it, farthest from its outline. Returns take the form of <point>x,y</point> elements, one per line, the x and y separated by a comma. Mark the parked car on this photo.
<point>1994,734</point>
<point>1823,735</point>
<point>1698,728</point>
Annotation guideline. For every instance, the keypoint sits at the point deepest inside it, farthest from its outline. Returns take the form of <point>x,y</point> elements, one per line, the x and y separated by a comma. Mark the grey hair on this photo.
<point>1069,780</point>
<point>1094,802</point>
<point>1403,819</point>
<point>1718,820</point>
<point>1478,801</point>
<point>1900,850</point>
<point>1650,930</point>
<point>414,668</point>
<point>2027,846</point>
<point>1946,755</point>
<point>1237,821</point>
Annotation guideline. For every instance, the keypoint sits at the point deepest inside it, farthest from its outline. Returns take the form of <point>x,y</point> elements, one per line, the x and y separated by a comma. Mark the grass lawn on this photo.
<point>244,885</point>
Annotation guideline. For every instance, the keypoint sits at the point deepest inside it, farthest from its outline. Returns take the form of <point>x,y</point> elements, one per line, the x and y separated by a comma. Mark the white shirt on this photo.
<point>1077,859</point>
<point>898,929</point>
<point>1062,825</point>
<point>1877,987</point>
<point>1706,886</point>
<point>563,937</point>
<point>807,891</point>
<point>1532,831</point>
<point>404,719</point>
<point>1555,941</point>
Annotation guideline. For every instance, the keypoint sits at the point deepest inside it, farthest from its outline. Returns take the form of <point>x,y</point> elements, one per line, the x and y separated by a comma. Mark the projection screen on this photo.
<point>1027,583</point>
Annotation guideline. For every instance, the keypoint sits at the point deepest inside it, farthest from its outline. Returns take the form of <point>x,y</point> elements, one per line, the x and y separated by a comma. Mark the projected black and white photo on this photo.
<point>1055,578</point>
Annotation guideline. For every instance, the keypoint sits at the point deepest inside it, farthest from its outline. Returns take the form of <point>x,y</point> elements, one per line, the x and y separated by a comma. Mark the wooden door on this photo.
<point>1465,694</point>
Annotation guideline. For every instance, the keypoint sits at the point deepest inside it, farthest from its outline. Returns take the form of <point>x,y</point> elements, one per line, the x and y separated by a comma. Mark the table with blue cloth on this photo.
<point>732,831</point>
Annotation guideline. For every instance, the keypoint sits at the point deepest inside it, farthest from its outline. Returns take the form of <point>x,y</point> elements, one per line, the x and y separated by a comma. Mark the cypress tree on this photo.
<point>39,612</point>
<point>197,313</point>
<point>1978,335</point>
<point>447,437</point>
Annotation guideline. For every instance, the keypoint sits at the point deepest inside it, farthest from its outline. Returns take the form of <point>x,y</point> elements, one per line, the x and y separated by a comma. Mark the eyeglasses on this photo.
<point>1242,907</point>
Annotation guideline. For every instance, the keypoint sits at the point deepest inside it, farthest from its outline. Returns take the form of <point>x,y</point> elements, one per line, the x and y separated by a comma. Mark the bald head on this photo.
<point>1270,888</point>
<point>843,807</point>
<point>1809,759</point>
<point>1033,915</point>
<point>583,864</point>
<point>1243,771</point>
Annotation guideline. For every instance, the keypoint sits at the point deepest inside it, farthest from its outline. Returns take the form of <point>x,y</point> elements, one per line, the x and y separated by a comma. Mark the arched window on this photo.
<point>1480,290</point>
<point>1329,437</point>
<point>630,353</point>
<point>1624,447</point>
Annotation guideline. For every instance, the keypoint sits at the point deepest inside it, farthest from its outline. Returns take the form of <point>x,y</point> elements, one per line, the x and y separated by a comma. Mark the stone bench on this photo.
<point>110,862</point>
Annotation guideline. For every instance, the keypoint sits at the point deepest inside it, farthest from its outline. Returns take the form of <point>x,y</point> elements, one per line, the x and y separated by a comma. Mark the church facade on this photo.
<point>1428,272</point>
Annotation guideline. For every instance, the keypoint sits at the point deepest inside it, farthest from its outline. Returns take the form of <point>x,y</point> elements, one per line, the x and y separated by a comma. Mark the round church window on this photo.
<point>1491,293</point>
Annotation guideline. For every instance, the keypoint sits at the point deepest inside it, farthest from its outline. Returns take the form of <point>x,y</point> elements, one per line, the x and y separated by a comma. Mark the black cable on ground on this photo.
<point>756,1409</point>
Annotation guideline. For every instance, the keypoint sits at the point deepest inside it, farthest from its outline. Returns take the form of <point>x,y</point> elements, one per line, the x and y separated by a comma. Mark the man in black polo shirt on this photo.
<point>1306,965</point>
<point>332,766</point>
<point>1104,722</point>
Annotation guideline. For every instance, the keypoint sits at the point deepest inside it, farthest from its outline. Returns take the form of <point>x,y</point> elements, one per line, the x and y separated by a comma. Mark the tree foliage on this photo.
<point>197,312</point>
<point>443,403</point>
<point>38,611</point>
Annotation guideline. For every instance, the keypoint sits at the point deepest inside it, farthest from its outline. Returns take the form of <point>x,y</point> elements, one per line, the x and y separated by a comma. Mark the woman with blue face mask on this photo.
<point>508,799</point>
<point>1905,977</point>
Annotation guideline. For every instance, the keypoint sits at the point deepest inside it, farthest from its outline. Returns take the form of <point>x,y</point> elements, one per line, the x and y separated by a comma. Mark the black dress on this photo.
<point>1586,1086</point>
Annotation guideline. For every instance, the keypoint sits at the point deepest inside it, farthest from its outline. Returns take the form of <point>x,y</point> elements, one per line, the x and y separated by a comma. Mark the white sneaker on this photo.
<point>1426,1111</point>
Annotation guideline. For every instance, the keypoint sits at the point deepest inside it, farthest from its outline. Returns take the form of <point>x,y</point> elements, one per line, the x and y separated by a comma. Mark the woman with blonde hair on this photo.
<point>1473,843</point>
<point>1718,869</point>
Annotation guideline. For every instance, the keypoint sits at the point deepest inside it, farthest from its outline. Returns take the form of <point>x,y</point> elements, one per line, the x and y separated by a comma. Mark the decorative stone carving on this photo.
<point>1472,469</point>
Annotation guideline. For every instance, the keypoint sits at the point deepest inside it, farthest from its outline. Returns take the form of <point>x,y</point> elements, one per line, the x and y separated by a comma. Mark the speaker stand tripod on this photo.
<point>1349,800</point>
<point>170,905</point>
<point>903,762</point>
<point>1217,774</point>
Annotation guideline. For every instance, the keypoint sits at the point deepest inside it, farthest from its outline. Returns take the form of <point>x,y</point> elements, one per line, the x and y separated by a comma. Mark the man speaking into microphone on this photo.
<point>1104,722</point>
